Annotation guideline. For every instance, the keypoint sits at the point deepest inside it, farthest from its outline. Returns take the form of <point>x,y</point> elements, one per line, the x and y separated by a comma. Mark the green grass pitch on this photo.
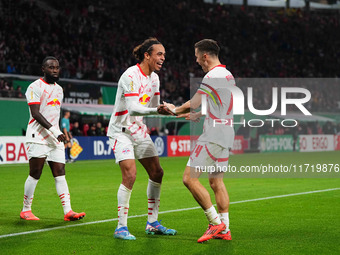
<point>298,224</point>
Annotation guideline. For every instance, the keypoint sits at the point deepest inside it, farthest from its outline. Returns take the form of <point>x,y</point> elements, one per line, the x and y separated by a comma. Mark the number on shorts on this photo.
<point>198,149</point>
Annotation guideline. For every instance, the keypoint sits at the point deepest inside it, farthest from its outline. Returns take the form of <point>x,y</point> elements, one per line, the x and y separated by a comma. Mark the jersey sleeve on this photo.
<point>130,86</point>
<point>156,98</point>
<point>33,94</point>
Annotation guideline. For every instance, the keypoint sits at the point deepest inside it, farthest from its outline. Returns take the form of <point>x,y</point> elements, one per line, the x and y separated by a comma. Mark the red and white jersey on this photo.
<point>49,97</point>
<point>219,116</point>
<point>133,85</point>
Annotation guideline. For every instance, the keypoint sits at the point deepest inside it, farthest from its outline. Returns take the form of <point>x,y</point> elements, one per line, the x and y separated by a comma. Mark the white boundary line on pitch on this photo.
<point>169,211</point>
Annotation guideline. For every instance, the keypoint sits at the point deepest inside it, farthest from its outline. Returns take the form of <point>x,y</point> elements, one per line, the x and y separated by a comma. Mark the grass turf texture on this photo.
<point>303,224</point>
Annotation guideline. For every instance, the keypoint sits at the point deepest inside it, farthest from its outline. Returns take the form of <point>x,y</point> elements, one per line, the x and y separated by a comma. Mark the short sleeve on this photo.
<point>33,94</point>
<point>130,85</point>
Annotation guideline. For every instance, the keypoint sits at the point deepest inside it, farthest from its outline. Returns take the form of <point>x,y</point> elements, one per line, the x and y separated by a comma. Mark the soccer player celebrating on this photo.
<point>44,140</point>
<point>138,95</point>
<point>212,147</point>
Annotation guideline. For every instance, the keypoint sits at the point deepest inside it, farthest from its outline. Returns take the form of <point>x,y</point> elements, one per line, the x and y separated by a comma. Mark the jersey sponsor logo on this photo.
<point>144,99</point>
<point>54,102</point>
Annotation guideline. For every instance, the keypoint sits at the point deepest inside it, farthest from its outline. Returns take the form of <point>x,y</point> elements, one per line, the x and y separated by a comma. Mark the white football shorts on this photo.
<point>51,153</point>
<point>124,147</point>
<point>207,154</point>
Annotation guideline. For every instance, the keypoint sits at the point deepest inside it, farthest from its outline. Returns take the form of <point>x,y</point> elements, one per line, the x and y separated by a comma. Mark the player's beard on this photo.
<point>51,79</point>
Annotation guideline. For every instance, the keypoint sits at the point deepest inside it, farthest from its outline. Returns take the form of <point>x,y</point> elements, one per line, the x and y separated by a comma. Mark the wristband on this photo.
<point>55,131</point>
<point>174,110</point>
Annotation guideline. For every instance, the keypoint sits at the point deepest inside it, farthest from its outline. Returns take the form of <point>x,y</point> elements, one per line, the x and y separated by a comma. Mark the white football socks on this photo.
<point>153,193</point>
<point>225,219</point>
<point>29,189</point>
<point>63,193</point>
<point>212,216</point>
<point>123,197</point>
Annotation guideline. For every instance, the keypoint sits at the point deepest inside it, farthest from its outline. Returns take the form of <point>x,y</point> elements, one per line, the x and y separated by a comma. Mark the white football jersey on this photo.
<point>49,97</point>
<point>143,89</point>
<point>219,117</point>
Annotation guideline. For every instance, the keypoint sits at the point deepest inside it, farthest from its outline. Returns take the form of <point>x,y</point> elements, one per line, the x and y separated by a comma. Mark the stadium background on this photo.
<point>94,41</point>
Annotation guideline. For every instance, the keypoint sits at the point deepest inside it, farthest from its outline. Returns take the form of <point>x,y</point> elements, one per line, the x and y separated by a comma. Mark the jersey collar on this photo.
<point>45,81</point>
<point>141,70</point>
<point>218,66</point>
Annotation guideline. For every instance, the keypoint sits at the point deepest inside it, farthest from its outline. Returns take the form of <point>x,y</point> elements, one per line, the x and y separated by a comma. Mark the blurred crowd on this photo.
<point>7,90</point>
<point>95,41</point>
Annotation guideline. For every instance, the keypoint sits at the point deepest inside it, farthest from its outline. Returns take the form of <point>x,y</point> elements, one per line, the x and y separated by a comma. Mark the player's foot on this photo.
<point>123,233</point>
<point>28,215</point>
<point>212,231</point>
<point>223,236</point>
<point>157,228</point>
<point>72,216</point>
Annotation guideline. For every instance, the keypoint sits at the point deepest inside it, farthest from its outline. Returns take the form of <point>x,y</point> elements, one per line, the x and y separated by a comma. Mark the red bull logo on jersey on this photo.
<point>144,99</point>
<point>54,102</point>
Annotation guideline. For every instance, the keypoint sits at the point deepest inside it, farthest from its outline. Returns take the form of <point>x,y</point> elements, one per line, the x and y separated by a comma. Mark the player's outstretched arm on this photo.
<point>192,104</point>
<point>164,110</point>
<point>193,116</point>
<point>136,109</point>
<point>34,108</point>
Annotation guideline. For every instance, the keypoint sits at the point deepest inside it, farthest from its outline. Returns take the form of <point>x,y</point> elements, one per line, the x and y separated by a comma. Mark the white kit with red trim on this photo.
<point>217,124</point>
<point>134,87</point>
<point>49,97</point>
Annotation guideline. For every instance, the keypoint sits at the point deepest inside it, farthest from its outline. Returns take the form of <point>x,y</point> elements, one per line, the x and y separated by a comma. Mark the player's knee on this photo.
<point>130,177</point>
<point>35,174</point>
<point>187,181</point>
<point>59,172</point>
<point>157,174</point>
<point>215,184</point>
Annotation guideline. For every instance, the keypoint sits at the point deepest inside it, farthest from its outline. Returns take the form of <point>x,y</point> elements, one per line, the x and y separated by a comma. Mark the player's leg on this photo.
<point>222,201</point>
<point>36,165</point>
<point>155,172</point>
<point>56,161</point>
<point>200,158</point>
<point>129,171</point>
<point>202,196</point>
<point>68,152</point>
<point>221,194</point>
<point>216,182</point>
<point>124,153</point>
